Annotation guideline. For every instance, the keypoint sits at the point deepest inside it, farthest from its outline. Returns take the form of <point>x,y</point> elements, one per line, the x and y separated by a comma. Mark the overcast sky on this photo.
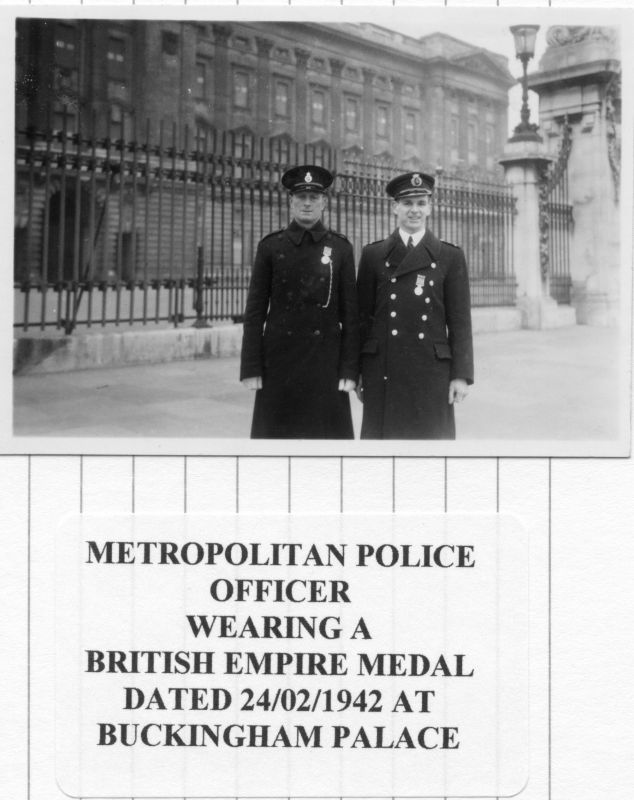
<point>490,35</point>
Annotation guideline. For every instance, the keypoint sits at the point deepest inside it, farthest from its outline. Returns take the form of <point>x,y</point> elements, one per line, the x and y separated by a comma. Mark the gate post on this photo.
<point>524,162</point>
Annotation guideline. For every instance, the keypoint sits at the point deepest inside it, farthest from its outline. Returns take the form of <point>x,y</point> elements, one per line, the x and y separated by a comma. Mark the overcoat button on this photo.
<point>394,332</point>
<point>427,300</point>
<point>433,265</point>
<point>424,317</point>
<point>392,313</point>
<point>317,332</point>
<point>431,283</point>
<point>392,297</point>
<point>421,335</point>
<point>392,280</point>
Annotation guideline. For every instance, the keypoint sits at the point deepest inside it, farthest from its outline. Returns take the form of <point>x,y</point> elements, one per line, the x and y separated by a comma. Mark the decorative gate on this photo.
<point>556,221</point>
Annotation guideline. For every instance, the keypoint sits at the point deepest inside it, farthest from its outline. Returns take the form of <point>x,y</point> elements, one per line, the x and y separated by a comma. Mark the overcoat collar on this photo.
<point>420,257</point>
<point>296,232</point>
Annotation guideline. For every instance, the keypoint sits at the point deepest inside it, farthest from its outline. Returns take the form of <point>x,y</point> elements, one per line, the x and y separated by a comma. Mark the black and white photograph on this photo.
<point>315,443</point>
<point>214,214</point>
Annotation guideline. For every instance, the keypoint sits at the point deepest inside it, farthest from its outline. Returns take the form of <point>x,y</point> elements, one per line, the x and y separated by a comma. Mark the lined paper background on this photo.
<point>579,514</point>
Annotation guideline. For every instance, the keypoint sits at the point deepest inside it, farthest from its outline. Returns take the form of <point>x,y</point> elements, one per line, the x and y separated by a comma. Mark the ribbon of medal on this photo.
<point>326,258</point>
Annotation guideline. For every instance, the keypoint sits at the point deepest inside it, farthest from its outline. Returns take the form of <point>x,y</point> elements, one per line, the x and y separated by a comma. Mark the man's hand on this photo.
<point>346,385</point>
<point>458,390</point>
<point>252,383</point>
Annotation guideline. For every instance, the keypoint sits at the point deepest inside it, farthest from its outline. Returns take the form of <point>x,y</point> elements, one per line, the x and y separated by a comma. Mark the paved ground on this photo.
<point>566,384</point>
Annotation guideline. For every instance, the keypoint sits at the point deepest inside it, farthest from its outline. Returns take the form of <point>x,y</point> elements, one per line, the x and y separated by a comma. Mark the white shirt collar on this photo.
<point>415,236</point>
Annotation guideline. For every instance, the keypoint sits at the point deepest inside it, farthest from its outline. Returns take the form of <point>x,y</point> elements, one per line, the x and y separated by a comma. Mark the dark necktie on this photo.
<point>410,243</point>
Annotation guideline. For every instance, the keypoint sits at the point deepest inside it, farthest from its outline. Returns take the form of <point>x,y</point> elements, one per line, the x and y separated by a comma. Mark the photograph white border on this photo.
<point>381,14</point>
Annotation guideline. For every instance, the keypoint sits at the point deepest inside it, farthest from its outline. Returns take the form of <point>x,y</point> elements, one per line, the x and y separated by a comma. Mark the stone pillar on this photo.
<point>397,119</point>
<point>263,92</point>
<point>523,162</point>
<point>368,113</point>
<point>301,95</point>
<point>463,131</point>
<point>433,117</point>
<point>222,91</point>
<point>336,106</point>
<point>578,73</point>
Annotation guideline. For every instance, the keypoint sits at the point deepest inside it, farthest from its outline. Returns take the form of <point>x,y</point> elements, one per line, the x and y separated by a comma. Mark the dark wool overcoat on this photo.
<point>301,334</point>
<point>415,316</point>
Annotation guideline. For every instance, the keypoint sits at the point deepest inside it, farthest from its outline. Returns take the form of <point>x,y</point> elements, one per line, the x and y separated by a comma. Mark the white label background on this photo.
<point>481,612</point>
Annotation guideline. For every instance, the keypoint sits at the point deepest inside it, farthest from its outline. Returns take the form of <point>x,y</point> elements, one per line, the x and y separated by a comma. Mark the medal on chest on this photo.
<point>420,285</point>
<point>326,258</point>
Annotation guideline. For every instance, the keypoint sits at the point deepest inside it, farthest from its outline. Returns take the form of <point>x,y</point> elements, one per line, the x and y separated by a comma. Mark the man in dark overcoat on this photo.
<point>301,329</point>
<point>415,317</point>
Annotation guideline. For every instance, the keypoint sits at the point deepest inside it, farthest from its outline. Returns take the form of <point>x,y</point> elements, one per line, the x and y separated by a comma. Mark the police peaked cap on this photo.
<point>410,185</point>
<point>308,178</point>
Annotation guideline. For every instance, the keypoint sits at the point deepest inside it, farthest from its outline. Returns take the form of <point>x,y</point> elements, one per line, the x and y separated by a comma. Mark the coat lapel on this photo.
<point>421,257</point>
<point>389,245</point>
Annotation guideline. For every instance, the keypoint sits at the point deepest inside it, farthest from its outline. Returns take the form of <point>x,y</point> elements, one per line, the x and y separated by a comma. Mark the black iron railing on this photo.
<point>163,229</point>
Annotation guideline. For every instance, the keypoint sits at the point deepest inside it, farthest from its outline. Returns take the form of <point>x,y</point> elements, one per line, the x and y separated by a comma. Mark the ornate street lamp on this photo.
<point>524,36</point>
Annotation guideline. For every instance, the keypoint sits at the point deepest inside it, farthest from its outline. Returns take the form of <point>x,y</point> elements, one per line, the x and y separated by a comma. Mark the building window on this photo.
<point>242,144</point>
<point>66,38</point>
<point>318,107</point>
<point>116,49</point>
<point>117,90</point>
<point>65,117</point>
<point>200,87</point>
<point>241,92</point>
<point>120,122</point>
<point>169,43</point>
<point>410,127</point>
<point>203,136</point>
<point>352,114</point>
<point>66,82</point>
<point>282,99</point>
<point>281,150</point>
<point>382,122</point>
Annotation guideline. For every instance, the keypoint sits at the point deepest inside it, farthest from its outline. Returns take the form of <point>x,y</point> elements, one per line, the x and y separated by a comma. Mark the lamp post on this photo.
<point>524,37</point>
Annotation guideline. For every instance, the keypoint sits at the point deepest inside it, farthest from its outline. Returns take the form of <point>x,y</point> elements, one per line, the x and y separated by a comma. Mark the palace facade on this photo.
<point>358,88</point>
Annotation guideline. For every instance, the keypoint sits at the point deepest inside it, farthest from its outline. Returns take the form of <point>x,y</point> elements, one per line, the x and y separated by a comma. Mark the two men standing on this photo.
<point>304,326</point>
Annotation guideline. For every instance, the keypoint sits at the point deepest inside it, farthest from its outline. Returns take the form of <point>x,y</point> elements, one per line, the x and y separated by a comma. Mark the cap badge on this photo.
<point>308,178</point>
<point>417,180</point>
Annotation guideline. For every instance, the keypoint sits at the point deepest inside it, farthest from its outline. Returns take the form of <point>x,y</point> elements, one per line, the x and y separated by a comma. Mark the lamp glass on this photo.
<point>524,36</point>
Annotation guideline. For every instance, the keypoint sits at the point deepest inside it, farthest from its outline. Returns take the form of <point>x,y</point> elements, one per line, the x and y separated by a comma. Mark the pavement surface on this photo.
<point>565,384</point>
